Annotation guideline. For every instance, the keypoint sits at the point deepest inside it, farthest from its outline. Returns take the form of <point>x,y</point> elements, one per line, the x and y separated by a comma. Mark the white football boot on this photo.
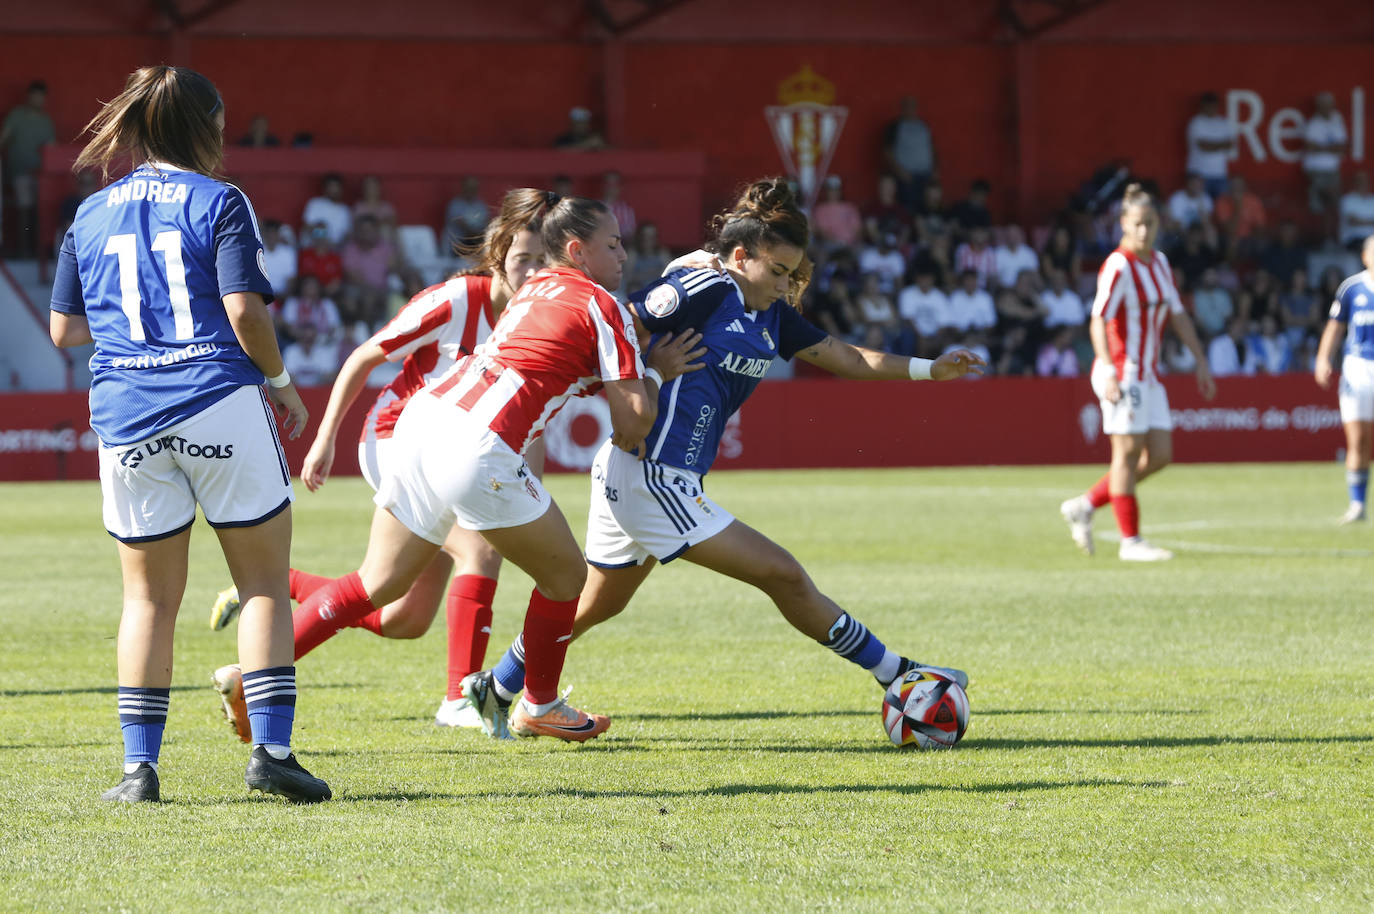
<point>458,712</point>
<point>1137,550</point>
<point>1078,514</point>
<point>1353,514</point>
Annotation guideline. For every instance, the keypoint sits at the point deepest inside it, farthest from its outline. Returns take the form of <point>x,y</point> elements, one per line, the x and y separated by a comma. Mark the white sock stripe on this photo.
<point>136,706</point>
<point>850,639</point>
<point>518,648</point>
<point>267,682</point>
<point>268,691</point>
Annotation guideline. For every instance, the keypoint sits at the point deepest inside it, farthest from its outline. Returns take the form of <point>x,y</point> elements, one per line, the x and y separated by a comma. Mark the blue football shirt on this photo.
<point>740,345</point>
<point>147,262</point>
<point>1354,307</point>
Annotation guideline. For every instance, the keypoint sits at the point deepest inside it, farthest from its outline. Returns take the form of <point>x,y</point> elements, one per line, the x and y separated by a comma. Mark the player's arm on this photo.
<point>69,330</point>
<point>1097,333</point>
<point>1183,326</point>
<point>633,411</point>
<point>1332,335</point>
<point>252,325</point>
<point>352,377</point>
<point>67,323</point>
<point>846,360</point>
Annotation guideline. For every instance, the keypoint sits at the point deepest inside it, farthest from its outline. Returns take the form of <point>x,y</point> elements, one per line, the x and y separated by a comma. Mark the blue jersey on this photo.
<point>740,345</point>
<point>147,262</point>
<point>1354,307</point>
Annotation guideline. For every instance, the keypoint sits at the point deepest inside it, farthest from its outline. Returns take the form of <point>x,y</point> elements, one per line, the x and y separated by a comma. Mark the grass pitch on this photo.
<point>1192,736</point>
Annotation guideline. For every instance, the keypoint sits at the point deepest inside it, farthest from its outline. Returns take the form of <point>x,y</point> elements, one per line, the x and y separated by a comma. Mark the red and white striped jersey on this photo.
<point>1134,300</point>
<point>561,336</point>
<point>435,329</point>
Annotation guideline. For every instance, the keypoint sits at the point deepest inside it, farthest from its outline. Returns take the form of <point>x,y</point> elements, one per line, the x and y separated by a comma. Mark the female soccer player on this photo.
<point>433,331</point>
<point>163,271</point>
<point>456,454</point>
<point>1353,308</point>
<point>1135,296</point>
<point>655,509</point>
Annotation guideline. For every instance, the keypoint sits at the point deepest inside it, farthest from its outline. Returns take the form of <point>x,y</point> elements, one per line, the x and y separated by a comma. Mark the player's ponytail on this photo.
<point>164,114</point>
<point>766,213</point>
<point>571,218</point>
<point>522,209</point>
<point>1136,195</point>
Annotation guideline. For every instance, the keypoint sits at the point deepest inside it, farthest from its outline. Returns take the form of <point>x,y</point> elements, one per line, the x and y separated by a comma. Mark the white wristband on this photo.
<point>655,374</point>
<point>919,369</point>
<point>280,380</point>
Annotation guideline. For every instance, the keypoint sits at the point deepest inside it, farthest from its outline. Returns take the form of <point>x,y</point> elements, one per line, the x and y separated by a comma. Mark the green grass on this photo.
<point>1193,736</point>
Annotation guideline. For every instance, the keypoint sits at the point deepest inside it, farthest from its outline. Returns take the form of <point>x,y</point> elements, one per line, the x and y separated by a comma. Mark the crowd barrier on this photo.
<point>827,423</point>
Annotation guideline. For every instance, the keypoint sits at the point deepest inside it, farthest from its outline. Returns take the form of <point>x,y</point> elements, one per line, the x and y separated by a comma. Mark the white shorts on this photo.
<point>1357,389</point>
<point>1144,405</point>
<point>373,455</point>
<point>227,458</point>
<point>641,508</point>
<point>442,468</point>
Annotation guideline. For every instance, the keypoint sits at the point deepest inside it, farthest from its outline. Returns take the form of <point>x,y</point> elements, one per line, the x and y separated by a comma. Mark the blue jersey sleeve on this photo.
<point>680,300</point>
<point>66,283</point>
<point>1340,308</point>
<point>795,332</point>
<point>239,260</point>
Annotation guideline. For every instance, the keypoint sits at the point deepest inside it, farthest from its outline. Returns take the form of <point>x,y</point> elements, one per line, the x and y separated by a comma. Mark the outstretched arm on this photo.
<point>859,363</point>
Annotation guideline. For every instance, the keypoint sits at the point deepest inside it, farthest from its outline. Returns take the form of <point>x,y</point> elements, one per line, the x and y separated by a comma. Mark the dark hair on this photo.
<point>331,176</point>
<point>981,184</point>
<point>38,86</point>
<point>570,217</point>
<point>522,209</point>
<point>164,113</point>
<point>1209,98</point>
<point>766,213</point>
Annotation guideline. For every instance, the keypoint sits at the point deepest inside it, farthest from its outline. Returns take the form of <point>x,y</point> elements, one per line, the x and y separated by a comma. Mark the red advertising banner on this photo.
<point>828,423</point>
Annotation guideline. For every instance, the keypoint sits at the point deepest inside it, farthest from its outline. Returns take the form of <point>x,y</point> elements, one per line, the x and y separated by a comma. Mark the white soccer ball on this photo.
<point>924,711</point>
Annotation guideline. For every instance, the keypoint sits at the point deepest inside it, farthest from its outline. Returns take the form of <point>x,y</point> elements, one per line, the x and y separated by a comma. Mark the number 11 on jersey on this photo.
<point>169,243</point>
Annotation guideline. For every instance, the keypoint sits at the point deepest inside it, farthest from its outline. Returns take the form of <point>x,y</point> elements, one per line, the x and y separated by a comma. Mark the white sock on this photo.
<point>535,710</point>
<point>277,752</point>
<point>131,767</point>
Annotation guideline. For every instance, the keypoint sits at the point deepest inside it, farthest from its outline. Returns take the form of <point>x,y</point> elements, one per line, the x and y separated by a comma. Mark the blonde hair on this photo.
<point>1136,195</point>
<point>164,114</point>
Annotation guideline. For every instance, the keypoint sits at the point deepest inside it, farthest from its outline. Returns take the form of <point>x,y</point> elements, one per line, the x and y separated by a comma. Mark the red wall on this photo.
<point>813,423</point>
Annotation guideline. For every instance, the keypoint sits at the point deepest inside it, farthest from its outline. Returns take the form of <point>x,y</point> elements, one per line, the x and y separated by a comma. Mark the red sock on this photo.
<point>372,622</point>
<point>1127,515</point>
<point>469,627</point>
<point>338,604</point>
<point>303,585</point>
<point>1099,495</point>
<point>548,629</point>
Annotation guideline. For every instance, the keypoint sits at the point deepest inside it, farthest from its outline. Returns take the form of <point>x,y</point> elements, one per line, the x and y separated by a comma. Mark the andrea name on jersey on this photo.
<point>152,191</point>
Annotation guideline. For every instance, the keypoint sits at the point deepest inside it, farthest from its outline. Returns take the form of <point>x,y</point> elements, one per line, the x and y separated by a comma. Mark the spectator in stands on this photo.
<point>926,308</point>
<point>279,257</point>
<point>1211,139</point>
<point>1190,204</point>
<point>309,309</point>
<point>976,255</point>
<point>86,184</point>
<point>1273,351</point>
<point>1357,214</point>
<point>312,362</point>
<point>887,216</point>
<point>1195,256</point>
<point>369,262</point>
<point>647,258</point>
<point>611,195</point>
<point>931,220</point>
<point>1324,140</point>
<point>1063,305</point>
<point>1013,256</point>
<point>1298,310</point>
<point>1062,253</point>
<point>1258,297</point>
<point>1330,283</point>
<point>970,305</point>
<point>886,261</point>
<point>1240,217</point>
<point>972,212</point>
<point>259,135</point>
<point>26,130</point>
<point>1212,305</point>
<point>329,209</point>
<point>835,286</point>
<point>937,257</point>
<point>563,186</point>
<point>466,217</point>
<point>321,261</point>
<point>909,153</point>
<point>1057,358</point>
<point>835,221</point>
<point>1229,353</point>
<point>1020,305</point>
<point>883,326</point>
<point>580,134</point>
<point>370,203</point>
<point>1286,254</point>
<point>1178,358</point>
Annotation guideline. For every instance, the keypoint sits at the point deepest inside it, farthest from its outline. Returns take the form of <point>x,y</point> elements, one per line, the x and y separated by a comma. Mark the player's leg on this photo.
<point>1078,511</point>
<point>747,555</point>
<point>1357,450</point>
<point>154,576</point>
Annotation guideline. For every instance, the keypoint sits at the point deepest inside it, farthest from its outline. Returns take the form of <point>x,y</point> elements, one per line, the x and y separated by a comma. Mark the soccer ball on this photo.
<point>924,711</point>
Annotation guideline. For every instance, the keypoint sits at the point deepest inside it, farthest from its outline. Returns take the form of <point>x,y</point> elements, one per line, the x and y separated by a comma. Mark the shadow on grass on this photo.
<point>111,690</point>
<point>1162,742</point>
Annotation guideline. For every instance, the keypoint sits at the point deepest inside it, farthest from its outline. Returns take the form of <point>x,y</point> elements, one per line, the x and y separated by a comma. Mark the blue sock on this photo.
<point>508,676</point>
<point>271,698</point>
<point>852,640</point>
<point>142,715</point>
<point>1358,481</point>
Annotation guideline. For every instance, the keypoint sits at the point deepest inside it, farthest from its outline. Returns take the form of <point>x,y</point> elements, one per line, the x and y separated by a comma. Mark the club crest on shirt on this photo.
<point>262,265</point>
<point>661,301</point>
<point>531,489</point>
<point>769,340</point>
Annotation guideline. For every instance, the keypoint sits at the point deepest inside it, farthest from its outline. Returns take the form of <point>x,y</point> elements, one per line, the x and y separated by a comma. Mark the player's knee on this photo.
<point>404,627</point>
<point>785,577</point>
<point>564,584</point>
